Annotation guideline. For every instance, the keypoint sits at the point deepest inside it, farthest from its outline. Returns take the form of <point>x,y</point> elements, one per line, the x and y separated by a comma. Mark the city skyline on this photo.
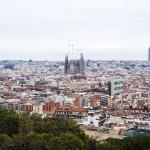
<point>93,54</point>
<point>75,74</point>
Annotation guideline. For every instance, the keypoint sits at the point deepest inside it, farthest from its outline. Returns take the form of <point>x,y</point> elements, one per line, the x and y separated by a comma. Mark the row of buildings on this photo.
<point>76,88</point>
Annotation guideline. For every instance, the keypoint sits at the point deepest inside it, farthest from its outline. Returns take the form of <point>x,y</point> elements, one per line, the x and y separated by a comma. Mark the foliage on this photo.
<point>24,132</point>
<point>5,140</point>
<point>9,122</point>
<point>131,143</point>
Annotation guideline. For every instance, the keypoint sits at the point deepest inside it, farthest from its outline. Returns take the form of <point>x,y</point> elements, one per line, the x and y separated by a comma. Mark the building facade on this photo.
<point>115,87</point>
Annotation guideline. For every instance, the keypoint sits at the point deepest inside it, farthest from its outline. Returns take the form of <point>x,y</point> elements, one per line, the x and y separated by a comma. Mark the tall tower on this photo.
<point>149,54</point>
<point>82,64</point>
<point>66,64</point>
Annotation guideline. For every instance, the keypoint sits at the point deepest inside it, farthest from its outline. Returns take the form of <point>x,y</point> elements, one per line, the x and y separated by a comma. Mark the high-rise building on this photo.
<point>149,54</point>
<point>115,86</point>
<point>75,65</point>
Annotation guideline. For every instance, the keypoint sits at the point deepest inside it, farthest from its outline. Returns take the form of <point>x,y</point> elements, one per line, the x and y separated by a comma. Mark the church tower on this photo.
<point>74,65</point>
<point>82,64</point>
<point>66,64</point>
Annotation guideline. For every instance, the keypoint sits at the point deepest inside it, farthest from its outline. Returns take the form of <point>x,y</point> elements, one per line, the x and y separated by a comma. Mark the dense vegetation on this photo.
<point>24,132</point>
<point>134,143</point>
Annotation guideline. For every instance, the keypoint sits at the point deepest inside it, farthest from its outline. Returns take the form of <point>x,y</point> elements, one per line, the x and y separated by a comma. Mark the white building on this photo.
<point>115,86</point>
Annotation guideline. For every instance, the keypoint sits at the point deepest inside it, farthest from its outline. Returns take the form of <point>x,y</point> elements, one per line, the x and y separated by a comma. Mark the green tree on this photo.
<point>5,141</point>
<point>72,142</point>
<point>9,122</point>
<point>35,141</point>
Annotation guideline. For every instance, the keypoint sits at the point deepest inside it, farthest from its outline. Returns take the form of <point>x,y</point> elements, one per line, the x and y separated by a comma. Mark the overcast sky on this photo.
<point>103,29</point>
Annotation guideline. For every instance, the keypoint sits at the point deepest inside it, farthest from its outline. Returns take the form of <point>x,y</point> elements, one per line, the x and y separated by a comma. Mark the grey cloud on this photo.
<point>90,24</point>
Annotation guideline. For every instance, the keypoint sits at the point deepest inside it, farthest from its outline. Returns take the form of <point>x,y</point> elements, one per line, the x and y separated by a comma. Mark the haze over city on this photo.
<point>74,74</point>
<point>42,29</point>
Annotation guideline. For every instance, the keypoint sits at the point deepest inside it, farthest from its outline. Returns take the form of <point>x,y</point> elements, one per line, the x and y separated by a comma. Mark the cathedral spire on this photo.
<point>82,64</point>
<point>75,65</point>
<point>66,63</point>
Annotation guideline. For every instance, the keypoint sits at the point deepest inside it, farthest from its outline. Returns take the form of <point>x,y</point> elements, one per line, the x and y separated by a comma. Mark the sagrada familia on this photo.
<point>75,66</point>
